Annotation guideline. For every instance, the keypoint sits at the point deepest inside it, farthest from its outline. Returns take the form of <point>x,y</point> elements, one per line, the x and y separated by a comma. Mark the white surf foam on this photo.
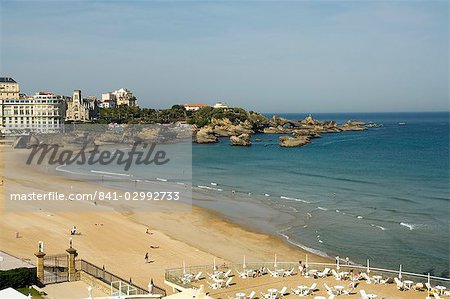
<point>110,173</point>
<point>408,225</point>
<point>294,199</point>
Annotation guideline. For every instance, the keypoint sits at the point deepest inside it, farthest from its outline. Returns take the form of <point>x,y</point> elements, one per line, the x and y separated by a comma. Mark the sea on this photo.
<point>380,195</point>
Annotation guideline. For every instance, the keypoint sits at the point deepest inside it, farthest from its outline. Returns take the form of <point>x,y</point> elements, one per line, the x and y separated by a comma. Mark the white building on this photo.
<point>194,106</point>
<point>220,105</point>
<point>124,97</point>
<point>43,113</point>
<point>9,88</point>
<point>108,100</point>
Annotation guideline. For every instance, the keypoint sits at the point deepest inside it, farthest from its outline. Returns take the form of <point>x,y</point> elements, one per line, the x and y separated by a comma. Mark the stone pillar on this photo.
<point>40,265</point>
<point>71,263</point>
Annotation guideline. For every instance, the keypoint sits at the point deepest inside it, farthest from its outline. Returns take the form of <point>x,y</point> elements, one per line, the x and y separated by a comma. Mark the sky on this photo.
<point>283,56</point>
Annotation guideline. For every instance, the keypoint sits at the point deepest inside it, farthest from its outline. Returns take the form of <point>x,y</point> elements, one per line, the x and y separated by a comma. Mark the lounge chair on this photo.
<point>266,296</point>
<point>227,284</point>
<point>252,294</point>
<point>331,297</point>
<point>330,291</point>
<point>242,274</point>
<point>436,295</point>
<point>352,286</point>
<point>296,291</point>
<point>363,294</point>
<point>335,274</point>
<point>214,285</point>
<point>323,274</point>
<point>429,287</point>
<point>365,277</point>
<point>289,273</point>
<point>273,273</point>
<point>312,288</point>
<point>386,281</point>
<point>227,274</point>
<point>400,284</point>
<point>197,277</point>
<point>282,291</point>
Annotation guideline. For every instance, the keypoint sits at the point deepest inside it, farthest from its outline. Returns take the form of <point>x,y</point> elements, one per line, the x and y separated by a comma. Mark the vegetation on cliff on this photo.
<point>200,118</point>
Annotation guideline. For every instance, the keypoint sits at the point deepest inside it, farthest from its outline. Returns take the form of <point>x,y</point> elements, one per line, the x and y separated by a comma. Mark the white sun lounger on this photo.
<point>324,273</point>
<point>252,294</point>
<point>227,274</point>
<point>296,291</point>
<point>330,291</point>
<point>197,277</point>
<point>227,284</point>
<point>400,284</point>
<point>282,291</point>
<point>214,285</point>
<point>242,274</point>
<point>273,273</point>
<point>335,274</point>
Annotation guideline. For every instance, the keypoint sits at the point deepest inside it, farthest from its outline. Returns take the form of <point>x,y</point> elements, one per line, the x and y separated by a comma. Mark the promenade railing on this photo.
<point>111,279</point>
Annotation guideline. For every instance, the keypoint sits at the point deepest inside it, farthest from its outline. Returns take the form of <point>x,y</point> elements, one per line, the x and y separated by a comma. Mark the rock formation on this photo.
<point>206,135</point>
<point>287,141</point>
<point>241,140</point>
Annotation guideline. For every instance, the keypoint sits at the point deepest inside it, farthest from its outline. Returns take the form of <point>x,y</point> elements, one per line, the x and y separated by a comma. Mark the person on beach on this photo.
<point>300,268</point>
<point>146,257</point>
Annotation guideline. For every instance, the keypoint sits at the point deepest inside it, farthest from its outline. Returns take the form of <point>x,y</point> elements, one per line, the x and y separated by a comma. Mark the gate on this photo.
<point>55,269</point>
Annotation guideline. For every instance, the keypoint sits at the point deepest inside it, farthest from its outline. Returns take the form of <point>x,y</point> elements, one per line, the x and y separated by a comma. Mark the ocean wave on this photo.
<point>408,225</point>
<point>294,199</point>
<point>378,226</point>
<point>306,248</point>
<point>323,209</point>
<point>162,180</point>
<point>209,188</point>
<point>110,173</point>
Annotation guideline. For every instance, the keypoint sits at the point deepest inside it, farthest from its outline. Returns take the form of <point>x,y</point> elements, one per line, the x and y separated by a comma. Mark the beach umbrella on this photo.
<point>214,264</point>
<point>244,265</point>
<point>400,272</point>
<point>306,261</point>
<point>428,290</point>
<point>337,262</point>
<point>184,267</point>
<point>428,277</point>
<point>368,266</point>
<point>275,262</point>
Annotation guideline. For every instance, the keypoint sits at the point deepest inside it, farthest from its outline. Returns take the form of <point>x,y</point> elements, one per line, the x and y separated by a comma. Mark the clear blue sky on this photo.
<point>296,56</point>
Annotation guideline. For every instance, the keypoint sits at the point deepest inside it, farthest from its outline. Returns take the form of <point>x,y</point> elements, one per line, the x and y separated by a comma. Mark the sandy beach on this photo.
<point>118,240</point>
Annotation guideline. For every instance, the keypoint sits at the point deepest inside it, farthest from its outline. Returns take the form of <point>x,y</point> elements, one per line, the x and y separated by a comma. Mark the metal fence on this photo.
<point>174,275</point>
<point>112,279</point>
